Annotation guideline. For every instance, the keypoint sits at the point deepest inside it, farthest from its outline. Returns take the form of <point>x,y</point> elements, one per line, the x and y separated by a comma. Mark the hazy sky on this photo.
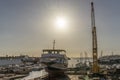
<point>27,26</point>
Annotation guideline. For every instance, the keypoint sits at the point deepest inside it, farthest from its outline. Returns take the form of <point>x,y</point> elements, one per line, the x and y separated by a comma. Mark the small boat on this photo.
<point>22,70</point>
<point>37,68</point>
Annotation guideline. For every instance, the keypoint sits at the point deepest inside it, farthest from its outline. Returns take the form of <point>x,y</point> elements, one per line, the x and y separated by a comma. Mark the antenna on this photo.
<point>101,53</point>
<point>53,44</point>
<point>85,57</point>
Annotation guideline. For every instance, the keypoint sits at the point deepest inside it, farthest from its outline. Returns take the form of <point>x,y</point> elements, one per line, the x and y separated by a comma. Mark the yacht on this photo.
<point>54,60</point>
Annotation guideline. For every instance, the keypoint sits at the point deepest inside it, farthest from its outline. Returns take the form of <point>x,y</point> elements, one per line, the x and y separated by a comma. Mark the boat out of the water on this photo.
<point>54,60</point>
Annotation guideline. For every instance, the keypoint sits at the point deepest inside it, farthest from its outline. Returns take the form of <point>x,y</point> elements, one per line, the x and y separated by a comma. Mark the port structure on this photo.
<point>95,68</point>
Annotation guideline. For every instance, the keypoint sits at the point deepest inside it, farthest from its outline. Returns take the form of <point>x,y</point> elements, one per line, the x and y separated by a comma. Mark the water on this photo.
<point>34,74</point>
<point>10,61</point>
<point>71,63</point>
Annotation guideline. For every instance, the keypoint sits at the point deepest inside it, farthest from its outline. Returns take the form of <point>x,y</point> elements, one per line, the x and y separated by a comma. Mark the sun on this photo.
<point>61,22</point>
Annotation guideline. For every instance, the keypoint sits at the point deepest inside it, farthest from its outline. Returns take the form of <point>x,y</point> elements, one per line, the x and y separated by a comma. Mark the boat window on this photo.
<point>45,53</point>
<point>55,52</point>
<point>49,59</point>
<point>52,52</point>
<point>62,52</point>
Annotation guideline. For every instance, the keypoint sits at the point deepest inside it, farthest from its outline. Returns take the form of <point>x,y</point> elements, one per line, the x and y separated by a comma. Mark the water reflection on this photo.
<point>35,74</point>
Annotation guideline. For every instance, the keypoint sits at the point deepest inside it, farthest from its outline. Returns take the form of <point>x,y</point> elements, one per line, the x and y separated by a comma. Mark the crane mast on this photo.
<point>94,41</point>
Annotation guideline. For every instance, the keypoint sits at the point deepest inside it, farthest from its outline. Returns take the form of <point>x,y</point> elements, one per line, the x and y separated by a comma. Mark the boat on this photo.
<point>11,60</point>
<point>21,70</point>
<point>54,60</point>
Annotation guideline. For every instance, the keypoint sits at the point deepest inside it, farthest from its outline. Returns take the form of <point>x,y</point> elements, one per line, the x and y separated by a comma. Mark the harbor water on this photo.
<point>34,74</point>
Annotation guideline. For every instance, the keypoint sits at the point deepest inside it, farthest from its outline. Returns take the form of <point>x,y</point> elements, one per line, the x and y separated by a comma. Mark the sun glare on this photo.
<point>61,22</point>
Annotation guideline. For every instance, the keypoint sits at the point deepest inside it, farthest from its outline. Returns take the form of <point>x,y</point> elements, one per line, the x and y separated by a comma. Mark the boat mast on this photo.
<point>94,41</point>
<point>86,57</point>
<point>53,44</point>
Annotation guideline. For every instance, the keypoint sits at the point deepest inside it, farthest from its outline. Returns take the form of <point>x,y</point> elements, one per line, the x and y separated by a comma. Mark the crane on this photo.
<point>95,67</point>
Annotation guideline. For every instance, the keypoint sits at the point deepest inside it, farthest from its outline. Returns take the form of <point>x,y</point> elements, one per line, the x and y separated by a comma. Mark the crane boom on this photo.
<point>94,40</point>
